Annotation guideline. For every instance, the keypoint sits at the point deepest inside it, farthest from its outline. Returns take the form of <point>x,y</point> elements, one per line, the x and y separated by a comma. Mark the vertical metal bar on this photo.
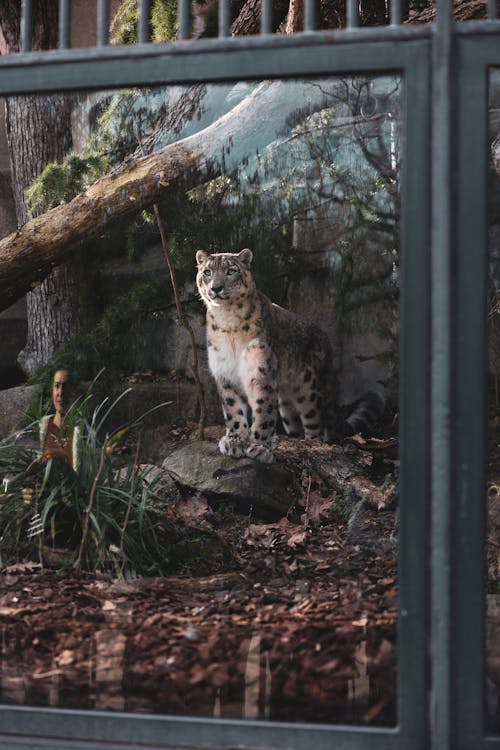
<point>441,367</point>
<point>102,22</point>
<point>396,13</point>
<point>26,25</point>
<point>309,15</point>
<point>473,59</point>
<point>414,354</point>
<point>143,34</point>
<point>224,18</point>
<point>64,24</point>
<point>266,19</point>
<point>183,19</point>
<point>492,9</point>
<point>352,14</point>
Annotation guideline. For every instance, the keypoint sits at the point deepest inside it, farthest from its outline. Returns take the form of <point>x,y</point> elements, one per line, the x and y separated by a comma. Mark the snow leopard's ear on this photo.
<point>201,257</point>
<point>246,256</point>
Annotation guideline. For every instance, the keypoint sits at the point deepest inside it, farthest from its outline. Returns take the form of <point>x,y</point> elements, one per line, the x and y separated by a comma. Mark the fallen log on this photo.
<point>28,255</point>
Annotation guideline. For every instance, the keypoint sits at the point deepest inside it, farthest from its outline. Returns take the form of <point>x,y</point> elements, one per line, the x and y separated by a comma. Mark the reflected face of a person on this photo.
<point>60,391</point>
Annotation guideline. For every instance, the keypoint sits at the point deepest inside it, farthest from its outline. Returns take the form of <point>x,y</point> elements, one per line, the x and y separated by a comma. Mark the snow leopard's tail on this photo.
<point>365,414</point>
<point>340,422</point>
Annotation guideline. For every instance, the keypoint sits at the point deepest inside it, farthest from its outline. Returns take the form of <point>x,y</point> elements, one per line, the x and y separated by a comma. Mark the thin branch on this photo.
<point>183,320</point>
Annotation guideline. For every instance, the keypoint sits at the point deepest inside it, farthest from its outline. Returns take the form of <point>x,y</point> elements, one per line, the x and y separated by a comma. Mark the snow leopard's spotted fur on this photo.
<point>264,359</point>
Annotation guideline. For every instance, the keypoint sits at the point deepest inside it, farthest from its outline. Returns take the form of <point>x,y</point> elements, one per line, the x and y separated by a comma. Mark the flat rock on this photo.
<point>267,491</point>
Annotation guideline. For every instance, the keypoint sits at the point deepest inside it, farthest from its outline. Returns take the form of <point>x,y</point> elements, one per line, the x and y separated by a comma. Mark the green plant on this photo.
<point>163,21</point>
<point>60,183</point>
<point>106,515</point>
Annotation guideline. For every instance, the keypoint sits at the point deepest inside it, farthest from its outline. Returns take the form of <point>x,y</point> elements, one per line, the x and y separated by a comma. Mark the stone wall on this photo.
<point>359,354</point>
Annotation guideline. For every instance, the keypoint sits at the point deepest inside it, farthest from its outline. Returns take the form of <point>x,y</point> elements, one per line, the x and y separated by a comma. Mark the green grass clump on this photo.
<point>104,516</point>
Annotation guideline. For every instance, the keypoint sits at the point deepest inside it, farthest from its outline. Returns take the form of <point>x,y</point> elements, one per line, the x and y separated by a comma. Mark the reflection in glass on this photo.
<point>237,590</point>
<point>493,477</point>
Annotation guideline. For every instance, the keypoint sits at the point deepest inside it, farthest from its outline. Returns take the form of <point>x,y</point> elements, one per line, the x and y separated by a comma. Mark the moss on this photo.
<point>60,183</point>
<point>163,22</point>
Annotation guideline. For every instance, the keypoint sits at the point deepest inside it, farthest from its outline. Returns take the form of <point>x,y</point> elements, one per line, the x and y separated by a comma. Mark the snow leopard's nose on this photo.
<point>216,288</point>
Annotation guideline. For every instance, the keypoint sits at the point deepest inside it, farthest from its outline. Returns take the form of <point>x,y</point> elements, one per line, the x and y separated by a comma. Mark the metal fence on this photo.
<point>442,350</point>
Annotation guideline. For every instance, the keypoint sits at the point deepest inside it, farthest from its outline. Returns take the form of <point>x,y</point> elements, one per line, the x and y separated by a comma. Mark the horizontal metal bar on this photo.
<point>64,24</point>
<point>26,25</point>
<point>477,28</point>
<point>103,22</point>
<point>68,727</point>
<point>481,44</point>
<point>376,34</point>
<point>189,62</point>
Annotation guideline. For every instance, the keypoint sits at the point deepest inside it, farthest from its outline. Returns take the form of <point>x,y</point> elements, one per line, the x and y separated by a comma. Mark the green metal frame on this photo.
<point>442,369</point>
<point>474,57</point>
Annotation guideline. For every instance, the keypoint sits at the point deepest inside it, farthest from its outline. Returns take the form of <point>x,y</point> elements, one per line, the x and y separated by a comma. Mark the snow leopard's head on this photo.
<point>224,278</point>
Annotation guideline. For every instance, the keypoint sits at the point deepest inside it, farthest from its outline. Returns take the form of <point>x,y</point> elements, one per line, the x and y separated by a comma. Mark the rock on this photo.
<point>158,480</point>
<point>266,491</point>
<point>161,483</point>
<point>180,399</point>
<point>13,405</point>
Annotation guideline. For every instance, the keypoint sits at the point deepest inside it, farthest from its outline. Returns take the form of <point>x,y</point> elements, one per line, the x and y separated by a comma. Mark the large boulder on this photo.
<point>263,490</point>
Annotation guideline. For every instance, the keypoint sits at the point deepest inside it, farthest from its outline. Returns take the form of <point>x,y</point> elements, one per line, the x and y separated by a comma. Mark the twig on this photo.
<point>183,320</point>
<point>308,496</point>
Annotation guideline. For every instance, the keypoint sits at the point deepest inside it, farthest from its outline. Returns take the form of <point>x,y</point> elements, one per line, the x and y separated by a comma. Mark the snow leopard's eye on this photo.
<point>207,272</point>
<point>232,270</point>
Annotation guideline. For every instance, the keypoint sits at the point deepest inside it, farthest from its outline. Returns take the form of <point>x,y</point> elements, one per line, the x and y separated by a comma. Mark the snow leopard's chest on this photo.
<point>228,338</point>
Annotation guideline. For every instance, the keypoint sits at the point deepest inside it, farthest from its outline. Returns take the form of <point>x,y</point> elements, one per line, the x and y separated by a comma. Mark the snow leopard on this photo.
<point>266,361</point>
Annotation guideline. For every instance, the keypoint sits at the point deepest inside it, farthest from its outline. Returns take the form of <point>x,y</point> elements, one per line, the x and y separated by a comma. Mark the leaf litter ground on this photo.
<point>296,621</point>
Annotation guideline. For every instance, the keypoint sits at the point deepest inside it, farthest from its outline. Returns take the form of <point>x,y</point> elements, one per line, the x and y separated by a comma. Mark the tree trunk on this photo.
<point>38,129</point>
<point>295,18</point>
<point>27,256</point>
<point>249,17</point>
<point>39,132</point>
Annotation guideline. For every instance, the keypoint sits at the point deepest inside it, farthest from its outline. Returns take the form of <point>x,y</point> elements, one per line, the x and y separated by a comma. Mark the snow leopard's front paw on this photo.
<point>231,445</point>
<point>260,452</point>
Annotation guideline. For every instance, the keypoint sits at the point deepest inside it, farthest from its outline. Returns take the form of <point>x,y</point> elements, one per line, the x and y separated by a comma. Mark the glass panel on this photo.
<point>248,574</point>
<point>493,492</point>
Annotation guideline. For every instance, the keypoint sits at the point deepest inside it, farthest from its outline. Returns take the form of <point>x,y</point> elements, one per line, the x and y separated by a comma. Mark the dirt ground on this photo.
<point>296,621</point>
